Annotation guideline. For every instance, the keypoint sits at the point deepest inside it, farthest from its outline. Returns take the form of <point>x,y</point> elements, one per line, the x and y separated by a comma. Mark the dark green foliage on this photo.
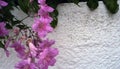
<point>55,19</point>
<point>34,6</point>
<point>54,23</point>
<point>55,13</point>
<point>8,26</point>
<point>24,5</point>
<point>1,45</point>
<point>111,5</point>
<point>74,1</point>
<point>22,26</point>
<point>15,22</point>
<point>27,7</point>
<point>7,17</point>
<point>53,3</point>
<point>2,37</point>
<point>92,4</point>
<point>6,14</point>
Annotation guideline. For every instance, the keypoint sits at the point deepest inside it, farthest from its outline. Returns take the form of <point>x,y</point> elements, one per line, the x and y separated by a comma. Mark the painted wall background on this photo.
<point>85,39</point>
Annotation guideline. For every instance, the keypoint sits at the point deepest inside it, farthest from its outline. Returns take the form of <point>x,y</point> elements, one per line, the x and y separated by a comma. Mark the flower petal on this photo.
<point>49,28</point>
<point>3,3</point>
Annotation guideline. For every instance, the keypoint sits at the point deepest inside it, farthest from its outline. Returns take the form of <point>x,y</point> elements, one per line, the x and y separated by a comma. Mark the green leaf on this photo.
<point>2,37</point>
<point>10,4</point>
<point>111,5</point>
<point>24,5</point>
<point>8,26</point>
<point>54,13</point>
<point>7,16</point>
<point>16,22</point>
<point>34,6</point>
<point>74,1</point>
<point>1,45</point>
<point>54,23</point>
<point>92,4</point>
<point>53,3</point>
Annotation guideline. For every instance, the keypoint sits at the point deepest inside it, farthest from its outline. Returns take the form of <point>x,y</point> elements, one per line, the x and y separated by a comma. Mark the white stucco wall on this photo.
<point>85,39</point>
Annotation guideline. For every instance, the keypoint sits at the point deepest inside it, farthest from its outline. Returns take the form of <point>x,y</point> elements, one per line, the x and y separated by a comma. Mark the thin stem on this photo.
<point>24,18</point>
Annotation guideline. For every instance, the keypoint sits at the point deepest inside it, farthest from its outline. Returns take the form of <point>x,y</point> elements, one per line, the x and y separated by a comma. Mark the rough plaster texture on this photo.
<point>85,39</point>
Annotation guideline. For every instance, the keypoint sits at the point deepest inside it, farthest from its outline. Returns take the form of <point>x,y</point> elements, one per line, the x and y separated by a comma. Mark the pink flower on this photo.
<point>25,64</point>
<point>3,30</point>
<point>44,16</point>
<point>42,12</point>
<point>40,65</point>
<point>33,49</point>
<point>46,8</point>
<point>16,31</point>
<point>46,19</point>
<point>47,57</point>
<point>47,43</point>
<point>20,49</point>
<point>41,28</point>
<point>42,2</point>
<point>3,3</point>
<point>43,45</point>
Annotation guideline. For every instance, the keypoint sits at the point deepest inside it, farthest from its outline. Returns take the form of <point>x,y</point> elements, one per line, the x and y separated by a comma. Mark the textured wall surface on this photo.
<point>85,39</point>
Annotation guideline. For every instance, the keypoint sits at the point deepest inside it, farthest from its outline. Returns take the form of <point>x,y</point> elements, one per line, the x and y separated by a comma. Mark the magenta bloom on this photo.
<point>3,3</point>
<point>47,57</point>
<point>20,49</point>
<point>46,8</point>
<point>40,65</point>
<point>25,64</point>
<point>33,49</point>
<point>41,28</point>
<point>44,13</point>
<point>46,18</point>
<point>3,30</point>
<point>42,2</point>
<point>16,31</point>
<point>47,43</point>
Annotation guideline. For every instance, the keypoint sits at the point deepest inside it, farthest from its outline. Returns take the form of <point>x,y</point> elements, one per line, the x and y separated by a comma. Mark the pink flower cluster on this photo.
<point>42,25</point>
<point>37,52</point>
<point>36,57</point>
<point>40,54</point>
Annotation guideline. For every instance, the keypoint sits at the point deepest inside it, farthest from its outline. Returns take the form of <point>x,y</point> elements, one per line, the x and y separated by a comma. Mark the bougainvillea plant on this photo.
<point>34,50</point>
<point>30,44</point>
